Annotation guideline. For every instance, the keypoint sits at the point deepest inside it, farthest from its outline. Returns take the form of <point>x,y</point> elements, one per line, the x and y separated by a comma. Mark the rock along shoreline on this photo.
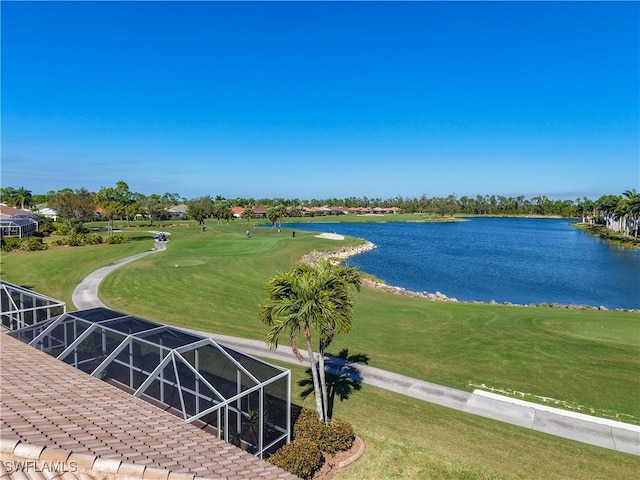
<point>343,253</point>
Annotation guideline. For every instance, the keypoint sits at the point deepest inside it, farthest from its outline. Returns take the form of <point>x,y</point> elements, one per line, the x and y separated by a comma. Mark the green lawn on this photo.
<point>410,439</point>
<point>215,281</point>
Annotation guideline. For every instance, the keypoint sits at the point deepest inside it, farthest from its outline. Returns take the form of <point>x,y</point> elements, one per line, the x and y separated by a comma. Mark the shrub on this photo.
<point>74,240</point>
<point>340,436</point>
<point>32,244</point>
<point>115,239</point>
<point>73,227</point>
<point>301,457</point>
<point>10,243</point>
<point>308,426</point>
<point>330,439</point>
<point>93,239</point>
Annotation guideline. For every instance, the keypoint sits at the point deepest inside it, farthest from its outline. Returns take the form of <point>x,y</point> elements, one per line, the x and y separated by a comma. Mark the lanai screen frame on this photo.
<point>104,343</point>
<point>21,307</point>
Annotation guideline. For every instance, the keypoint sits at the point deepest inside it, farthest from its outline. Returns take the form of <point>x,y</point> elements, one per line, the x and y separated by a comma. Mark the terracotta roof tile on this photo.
<point>64,415</point>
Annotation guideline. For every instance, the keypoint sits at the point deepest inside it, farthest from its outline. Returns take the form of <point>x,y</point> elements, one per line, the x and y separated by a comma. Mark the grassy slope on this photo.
<point>581,356</point>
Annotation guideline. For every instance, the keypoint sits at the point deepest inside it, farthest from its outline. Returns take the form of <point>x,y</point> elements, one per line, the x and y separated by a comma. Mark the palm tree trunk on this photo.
<point>323,386</point>
<point>314,374</point>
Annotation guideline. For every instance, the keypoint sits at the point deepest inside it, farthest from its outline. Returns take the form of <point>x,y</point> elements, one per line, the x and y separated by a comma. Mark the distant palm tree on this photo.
<point>305,299</point>
<point>247,213</point>
<point>631,203</point>
<point>22,197</point>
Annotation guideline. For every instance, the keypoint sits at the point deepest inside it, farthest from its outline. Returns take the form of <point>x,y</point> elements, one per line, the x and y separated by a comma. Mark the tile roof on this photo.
<point>7,211</point>
<point>51,413</point>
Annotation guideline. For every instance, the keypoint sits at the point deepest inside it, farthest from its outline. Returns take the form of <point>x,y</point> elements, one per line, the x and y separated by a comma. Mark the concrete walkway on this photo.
<point>85,295</point>
<point>597,431</point>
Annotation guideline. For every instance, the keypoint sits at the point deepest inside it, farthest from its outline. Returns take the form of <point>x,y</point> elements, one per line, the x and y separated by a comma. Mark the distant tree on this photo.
<point>74,207</point>
<point>200,208</point>
<point>152,207</point>
<point>114,201</point>
<point>7,195</point>
<point>22,197</point>
<point>248,214</point>
<point>272,215</point>
<point>222,211</point>
<point>632,199</point>
<point>170,198</point>
<point>39,198</point>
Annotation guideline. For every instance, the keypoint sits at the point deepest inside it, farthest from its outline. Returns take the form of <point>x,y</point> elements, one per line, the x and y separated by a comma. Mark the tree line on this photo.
<point>617,212</point>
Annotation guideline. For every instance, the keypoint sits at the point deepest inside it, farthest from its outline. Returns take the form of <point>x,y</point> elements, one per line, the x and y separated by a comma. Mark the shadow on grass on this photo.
<point>342,376</point>
<point>138,238</point>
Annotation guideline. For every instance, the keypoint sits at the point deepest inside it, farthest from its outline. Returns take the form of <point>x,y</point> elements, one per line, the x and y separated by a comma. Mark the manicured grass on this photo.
<point>58,270</point>
<point>587,359</point>
<point>410,439</point>
<point>582,357</point>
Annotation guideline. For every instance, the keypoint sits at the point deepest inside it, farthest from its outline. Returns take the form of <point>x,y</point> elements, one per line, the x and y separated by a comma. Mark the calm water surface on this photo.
<point>503,259</point>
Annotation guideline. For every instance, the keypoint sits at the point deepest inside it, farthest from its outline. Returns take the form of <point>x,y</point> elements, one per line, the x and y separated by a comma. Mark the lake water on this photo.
<point>515,260</point>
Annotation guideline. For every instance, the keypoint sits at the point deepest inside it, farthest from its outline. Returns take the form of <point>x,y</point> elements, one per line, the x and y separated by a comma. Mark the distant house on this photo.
<point>338,210</point>
<point>237,211</point>
<point>6,211</point>
<point>177,212</point>
<point>260,212</point>
<point>315,211</point>
<point>47,212</point>
<point>360,210</point>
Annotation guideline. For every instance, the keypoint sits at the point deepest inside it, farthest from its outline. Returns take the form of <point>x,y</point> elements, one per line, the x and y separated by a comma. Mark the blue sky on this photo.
<point>318,100</point>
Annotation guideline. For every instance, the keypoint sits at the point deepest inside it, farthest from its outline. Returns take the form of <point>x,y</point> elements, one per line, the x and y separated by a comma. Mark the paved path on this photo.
<point>575,426</point>
<point>85,295</point>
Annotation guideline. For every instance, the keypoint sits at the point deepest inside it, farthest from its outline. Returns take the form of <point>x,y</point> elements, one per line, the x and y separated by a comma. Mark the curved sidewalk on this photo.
<point>597,431</point>
<point>85,295</point>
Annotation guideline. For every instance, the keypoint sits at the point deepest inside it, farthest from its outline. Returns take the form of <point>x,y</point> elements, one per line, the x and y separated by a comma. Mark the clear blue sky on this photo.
<point>318,100</point>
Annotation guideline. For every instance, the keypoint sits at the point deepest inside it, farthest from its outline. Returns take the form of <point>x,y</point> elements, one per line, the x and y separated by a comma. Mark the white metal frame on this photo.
<point>20,306</point>
<point>206,402</point>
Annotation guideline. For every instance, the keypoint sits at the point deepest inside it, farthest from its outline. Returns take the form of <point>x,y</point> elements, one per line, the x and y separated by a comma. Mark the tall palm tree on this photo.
<point>339,323</point>
<point>306,299</point>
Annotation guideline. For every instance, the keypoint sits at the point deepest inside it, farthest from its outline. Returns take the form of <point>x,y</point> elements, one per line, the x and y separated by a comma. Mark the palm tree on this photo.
<point>310,298</point>
<point>22,197</point>
<point>631,202</point>
<point>339,323</point>
<point>248,214</point>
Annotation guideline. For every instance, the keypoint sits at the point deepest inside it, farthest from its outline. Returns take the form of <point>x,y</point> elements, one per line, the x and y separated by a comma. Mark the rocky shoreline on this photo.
<point>343,253</point>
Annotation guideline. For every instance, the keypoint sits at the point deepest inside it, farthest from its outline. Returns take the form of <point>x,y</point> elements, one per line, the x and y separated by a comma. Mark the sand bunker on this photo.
<point>331,236</point>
